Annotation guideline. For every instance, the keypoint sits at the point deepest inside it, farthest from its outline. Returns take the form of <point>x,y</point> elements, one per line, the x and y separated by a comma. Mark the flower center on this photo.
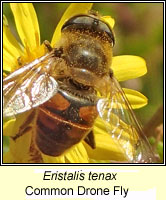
<point>28,56</point>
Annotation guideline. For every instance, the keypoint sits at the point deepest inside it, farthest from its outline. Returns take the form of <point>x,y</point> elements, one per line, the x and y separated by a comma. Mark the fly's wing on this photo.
<point>29,86</point>
<point>122,125</point>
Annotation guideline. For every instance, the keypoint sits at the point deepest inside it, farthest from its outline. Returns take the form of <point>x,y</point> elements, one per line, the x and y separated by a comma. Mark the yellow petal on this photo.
<point>11,48</point>
<point>109,20</point>
<point>27,24</point>
<point>4,74</point>
<point>11,126</point>
<point>8,128</point>
<point>20,147</point>
<point>128,67</point>
<point>136,99</point>
<point>72,10</point>
<point>8,158</point>
<point>51,159</point>
<point>77,154</point>
<point>106,148</point>
<point>9,62</point>
<point>113,143</point>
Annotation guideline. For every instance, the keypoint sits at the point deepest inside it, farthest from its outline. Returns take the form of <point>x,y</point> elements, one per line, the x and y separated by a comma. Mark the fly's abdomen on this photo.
<point>62,122</point>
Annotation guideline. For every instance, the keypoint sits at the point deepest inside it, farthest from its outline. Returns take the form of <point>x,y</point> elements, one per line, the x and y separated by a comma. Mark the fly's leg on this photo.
<point>90,140</point>
<point>48,46</point>
<point>29,127</point>
<point>26,126</point>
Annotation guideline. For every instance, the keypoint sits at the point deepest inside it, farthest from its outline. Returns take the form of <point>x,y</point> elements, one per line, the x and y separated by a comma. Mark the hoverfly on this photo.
<point>61,88</point>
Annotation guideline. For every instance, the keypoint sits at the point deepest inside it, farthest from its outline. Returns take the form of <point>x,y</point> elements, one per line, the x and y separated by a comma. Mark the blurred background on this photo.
<point>138,31</point>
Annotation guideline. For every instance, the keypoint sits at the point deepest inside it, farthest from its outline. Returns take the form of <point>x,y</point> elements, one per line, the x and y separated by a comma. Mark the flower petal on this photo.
<point>51,159</point>
<point>27,24</point>
<point>128,67</point>
<point>108,20</point>
<point>118,146</point>
<point>8,128</point>
<point>136,99</point>
<point>72,10</point>
<point>11,48</point>
<point>11,126</point>
<point>9,62</point>
<point>8,158</point>
<point>77,154</point>
<point>20,147</point>
<point>106,149</point>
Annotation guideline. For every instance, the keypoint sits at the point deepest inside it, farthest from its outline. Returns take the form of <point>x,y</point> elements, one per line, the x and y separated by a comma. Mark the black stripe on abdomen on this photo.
<point>55,135</point>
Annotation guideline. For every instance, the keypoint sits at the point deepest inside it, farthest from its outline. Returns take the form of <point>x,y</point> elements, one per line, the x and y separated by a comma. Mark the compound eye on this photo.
<point>92,24</point>
<point>102,27</point>
<point>81,20</point>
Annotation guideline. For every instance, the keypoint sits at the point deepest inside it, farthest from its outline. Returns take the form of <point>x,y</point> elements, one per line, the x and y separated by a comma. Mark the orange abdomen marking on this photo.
<point>63,122</point>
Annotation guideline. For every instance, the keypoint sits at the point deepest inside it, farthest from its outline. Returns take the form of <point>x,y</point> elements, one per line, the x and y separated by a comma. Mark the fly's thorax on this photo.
<point>86,50</point>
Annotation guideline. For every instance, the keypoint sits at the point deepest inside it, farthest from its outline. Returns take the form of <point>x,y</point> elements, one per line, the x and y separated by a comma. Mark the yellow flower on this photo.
<point>125,67</point>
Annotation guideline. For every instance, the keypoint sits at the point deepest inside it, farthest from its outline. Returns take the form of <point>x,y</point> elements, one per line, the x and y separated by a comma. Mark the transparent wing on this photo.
<point>122,125</point>
<point>29,86</point>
